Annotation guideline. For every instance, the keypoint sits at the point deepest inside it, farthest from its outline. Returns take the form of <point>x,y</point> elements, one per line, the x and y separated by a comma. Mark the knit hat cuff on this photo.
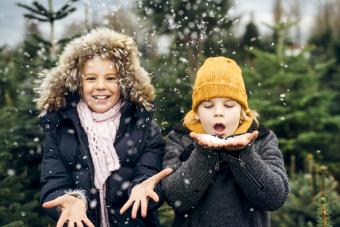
<point>217,89</point>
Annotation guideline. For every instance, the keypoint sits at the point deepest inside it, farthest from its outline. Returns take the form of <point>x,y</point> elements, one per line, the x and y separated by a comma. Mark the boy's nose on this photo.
<point>218,115</point>
<point>218,112</point>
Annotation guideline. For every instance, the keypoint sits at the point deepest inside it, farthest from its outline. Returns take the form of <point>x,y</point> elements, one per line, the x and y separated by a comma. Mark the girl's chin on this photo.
<point>101,107</point>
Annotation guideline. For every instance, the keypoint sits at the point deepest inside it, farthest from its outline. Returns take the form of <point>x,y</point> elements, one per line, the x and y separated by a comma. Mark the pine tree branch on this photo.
<point>60,15</point>
<point>42,40</point>
<point>41,8</point>
<point>30,9</point>
<point>64,7</point>
<point>30,16</point>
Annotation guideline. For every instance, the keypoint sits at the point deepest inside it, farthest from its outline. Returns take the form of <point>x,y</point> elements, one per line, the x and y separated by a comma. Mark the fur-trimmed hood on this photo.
<point>57,83</point>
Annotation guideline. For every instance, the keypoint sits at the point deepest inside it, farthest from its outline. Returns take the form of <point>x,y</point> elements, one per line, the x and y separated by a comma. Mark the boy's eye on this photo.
<point>229,104</point>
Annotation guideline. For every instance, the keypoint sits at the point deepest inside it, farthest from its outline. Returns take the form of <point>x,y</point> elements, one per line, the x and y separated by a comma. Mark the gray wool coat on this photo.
<point>223,188</point>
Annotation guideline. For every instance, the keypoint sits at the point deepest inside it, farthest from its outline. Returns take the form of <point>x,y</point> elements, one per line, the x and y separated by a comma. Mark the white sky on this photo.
<point>12,20</point>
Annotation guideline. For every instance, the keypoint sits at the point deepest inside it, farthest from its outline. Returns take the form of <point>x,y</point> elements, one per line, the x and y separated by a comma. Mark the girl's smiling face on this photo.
<point>100,87</point>
<point>219,116</point>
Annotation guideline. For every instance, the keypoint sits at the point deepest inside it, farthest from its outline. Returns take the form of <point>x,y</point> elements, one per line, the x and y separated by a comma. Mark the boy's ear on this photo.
<point>196,116</point>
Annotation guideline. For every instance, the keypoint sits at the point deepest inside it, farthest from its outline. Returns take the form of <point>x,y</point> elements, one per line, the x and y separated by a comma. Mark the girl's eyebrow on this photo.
<point>94,74</point>
<point>111,74</point>
<point>89,74</point>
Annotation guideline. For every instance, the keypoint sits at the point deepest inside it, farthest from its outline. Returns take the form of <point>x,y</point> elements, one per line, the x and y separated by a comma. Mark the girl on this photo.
<point>229,170</point>
<point>101,143</point>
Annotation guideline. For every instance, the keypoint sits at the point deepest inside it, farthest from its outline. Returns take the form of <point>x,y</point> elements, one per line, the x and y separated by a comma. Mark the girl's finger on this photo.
<point>88,222</point>
<point>144,207</point>
<point>52,203</point>
<point>70,223</point>
<point>135,209</point>
<point>153,195</point>
<point>161,175</point>
<point>79,224</point>
<point>62,220</point>
<point>126,206</point>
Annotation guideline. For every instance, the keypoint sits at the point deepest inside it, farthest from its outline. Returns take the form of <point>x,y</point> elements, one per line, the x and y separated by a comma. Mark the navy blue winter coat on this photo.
<point>67,162</point>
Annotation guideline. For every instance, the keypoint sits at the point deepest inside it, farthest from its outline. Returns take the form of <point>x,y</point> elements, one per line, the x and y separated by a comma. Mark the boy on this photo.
<point>233,178</point>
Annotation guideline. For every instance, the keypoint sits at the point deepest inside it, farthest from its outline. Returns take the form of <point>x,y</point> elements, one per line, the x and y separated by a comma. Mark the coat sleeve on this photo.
<point>150,163</point>
<point>260,173</point>
<point>187,184</point>
<point>55,178</point>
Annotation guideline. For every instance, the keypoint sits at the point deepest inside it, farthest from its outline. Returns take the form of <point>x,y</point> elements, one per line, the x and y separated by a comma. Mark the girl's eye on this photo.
<point>208,106</point>
<point>111,78</point>
<point>90,78</point>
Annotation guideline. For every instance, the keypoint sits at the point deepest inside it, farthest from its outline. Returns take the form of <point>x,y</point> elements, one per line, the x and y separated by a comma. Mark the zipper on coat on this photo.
<point>205,179</point>
<point>97,210</point>
<point>247,171</point>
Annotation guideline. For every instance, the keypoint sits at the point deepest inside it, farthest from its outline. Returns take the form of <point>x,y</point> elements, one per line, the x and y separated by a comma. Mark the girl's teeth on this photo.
<point>100,97</point>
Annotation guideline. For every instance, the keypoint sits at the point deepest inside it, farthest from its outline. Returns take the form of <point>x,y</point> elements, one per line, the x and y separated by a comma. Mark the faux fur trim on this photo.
<point>55,84</point>
<point>80,194</point>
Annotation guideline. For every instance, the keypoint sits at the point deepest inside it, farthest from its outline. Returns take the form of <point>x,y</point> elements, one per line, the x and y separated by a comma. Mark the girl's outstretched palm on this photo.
<point>141,193</point>
<point>73,211</point>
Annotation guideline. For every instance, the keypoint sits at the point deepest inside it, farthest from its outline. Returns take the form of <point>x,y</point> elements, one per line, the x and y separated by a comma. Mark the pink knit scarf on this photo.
<point>101,129</point>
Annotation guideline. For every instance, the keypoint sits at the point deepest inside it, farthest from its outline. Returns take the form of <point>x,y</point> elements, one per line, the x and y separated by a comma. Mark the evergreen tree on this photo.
<point>250,39</point>
<point>38,12</point>
<point>19,147</point>
<point>286,92</point>
<point>324,213</point>
<point>313,193</point>
<point>195,30</point>
<point>20,135</point>
<point>327,48</point>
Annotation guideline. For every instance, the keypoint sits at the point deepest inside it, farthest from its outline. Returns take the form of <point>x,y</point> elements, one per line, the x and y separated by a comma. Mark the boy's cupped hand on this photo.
<point>232,143</point>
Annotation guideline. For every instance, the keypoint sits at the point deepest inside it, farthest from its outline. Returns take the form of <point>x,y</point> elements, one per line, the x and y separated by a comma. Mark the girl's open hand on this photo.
<point>233,143</point>
<point>73,211</point>
<point>141,193</point>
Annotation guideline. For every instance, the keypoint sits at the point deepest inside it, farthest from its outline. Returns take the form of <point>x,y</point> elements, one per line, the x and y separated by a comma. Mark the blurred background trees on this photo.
<point>293,85</point>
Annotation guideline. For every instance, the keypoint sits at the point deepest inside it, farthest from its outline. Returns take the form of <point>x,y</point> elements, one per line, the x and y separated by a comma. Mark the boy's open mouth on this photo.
<point>219,127</point>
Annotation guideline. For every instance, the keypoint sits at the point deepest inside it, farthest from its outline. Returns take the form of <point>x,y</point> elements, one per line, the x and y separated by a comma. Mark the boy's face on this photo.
<point>219,116</point>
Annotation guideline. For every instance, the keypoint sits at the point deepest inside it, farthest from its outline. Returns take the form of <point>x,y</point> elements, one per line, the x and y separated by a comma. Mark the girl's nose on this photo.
<point>100,84</point>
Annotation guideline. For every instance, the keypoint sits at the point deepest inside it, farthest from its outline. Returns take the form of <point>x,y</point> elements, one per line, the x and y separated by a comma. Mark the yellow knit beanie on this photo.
<point>218,77</point>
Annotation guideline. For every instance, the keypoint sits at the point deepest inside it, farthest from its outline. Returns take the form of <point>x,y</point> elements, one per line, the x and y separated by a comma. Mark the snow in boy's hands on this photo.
<point>233,143</point>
